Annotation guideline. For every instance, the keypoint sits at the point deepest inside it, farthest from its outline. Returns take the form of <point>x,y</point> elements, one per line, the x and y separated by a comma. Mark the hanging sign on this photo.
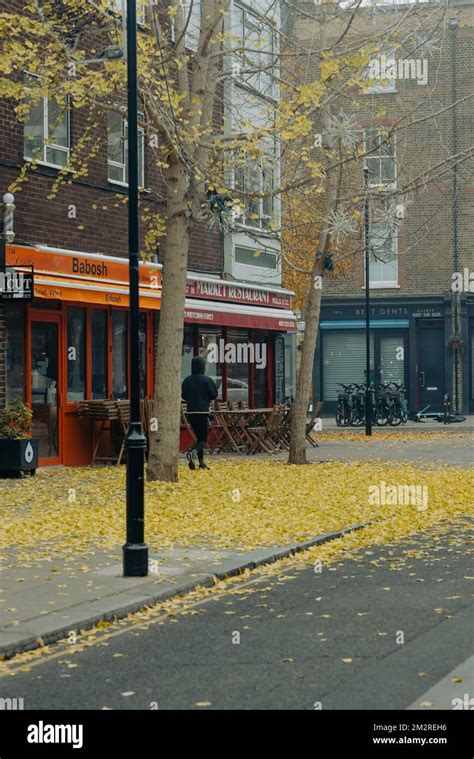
<point>16,285</point>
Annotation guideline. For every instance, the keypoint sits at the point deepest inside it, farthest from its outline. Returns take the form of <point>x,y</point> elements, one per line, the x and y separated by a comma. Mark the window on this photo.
<point>99,344</point>
<point>191,10</point>
<point>119,6</point>
<point>119,355</point>
<point>76,354</point>
<point>46,130</point>
<point>14,359</point>
<point>255,257</point>
<point>117,140</point>
<point>214,368</point>
<point>382,71</point>
<point>383,254</point>
<point>238,371</point>
<point>381,162</point>
<point>258,59</point>
<point>187,352</point>
<point>260,372</point>
<point>142,354</point>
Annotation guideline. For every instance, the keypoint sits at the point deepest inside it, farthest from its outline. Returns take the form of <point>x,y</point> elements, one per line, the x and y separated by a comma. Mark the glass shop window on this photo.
<point>14,349</point>
<point>187,352</point>
<point>99,354</point>
<point>237,357</point>
<point>211,343</point>
<point>142,354</point>
<point>119,355</point>
<point>76,354</point>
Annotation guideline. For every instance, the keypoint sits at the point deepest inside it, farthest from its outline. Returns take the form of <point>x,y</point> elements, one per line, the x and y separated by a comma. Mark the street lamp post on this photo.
<point>368,393</point>
<point>135,552</point>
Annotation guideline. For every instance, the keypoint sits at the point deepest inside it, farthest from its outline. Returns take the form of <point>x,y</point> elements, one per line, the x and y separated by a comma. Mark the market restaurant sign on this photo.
<point>229,291</point>
<point>16,285</point>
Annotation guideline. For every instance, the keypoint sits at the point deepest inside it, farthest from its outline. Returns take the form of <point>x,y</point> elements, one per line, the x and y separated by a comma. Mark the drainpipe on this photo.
<point>453,26</point>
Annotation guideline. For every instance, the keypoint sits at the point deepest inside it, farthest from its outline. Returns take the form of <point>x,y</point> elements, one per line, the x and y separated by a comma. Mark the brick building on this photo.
<point>422,325</point>
<point>70,342</point>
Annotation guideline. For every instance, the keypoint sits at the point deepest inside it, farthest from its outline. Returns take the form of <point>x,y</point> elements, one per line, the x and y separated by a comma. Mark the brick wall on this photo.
<point>425,241</point>
<point>100,223</point>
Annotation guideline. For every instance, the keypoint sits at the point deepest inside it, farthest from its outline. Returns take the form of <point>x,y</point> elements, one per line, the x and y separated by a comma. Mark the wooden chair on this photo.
<point>309,425</point>
<point>263,435</point>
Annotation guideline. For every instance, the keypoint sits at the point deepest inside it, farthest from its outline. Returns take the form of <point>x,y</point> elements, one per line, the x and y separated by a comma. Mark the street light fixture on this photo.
<point>135,552</point>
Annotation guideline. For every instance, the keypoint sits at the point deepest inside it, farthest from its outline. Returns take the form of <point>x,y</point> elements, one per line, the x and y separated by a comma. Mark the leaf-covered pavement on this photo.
<point>245,504</point>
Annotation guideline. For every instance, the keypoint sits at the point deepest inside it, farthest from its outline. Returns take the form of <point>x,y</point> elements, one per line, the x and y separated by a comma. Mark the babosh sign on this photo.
<point>16,285</point>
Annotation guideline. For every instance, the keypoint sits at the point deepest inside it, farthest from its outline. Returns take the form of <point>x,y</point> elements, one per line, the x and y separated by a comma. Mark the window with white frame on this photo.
<point>255,173</point>
<point>381,160</point>
<point>117,144</point>
<point>120,6</point>
<point>382,72</point>
<point>383,266</point>
<point>46,134</point>
<point>259,43</point>
<point>191,10</point>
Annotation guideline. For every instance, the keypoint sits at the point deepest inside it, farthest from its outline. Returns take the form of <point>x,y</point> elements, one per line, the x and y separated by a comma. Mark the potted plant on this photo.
<point>18,450</point>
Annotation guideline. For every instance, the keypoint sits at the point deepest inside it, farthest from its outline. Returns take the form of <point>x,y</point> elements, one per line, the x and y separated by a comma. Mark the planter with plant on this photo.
<point>18,450</point>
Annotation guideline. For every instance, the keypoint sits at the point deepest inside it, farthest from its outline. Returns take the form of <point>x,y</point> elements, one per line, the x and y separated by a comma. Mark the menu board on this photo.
<point>279,369</point>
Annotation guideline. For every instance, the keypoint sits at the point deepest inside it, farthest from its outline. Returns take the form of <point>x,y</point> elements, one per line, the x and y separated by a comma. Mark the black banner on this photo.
<point>342,733</point>
<point>16,285</point>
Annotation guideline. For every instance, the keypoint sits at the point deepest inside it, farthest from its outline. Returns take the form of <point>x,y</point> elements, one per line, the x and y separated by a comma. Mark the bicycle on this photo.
<point>344,406</point>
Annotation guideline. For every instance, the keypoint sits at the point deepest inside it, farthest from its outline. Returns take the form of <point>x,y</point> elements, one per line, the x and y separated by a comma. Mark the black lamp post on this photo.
<point>368,392</point>
<point>135,552</point>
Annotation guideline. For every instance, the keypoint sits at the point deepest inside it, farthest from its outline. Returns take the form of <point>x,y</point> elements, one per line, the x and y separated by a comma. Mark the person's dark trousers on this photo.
<point>200,425</point>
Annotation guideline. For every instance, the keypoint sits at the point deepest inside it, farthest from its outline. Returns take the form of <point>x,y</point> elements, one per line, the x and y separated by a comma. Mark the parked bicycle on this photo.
<point>389,405</point>
<point>344,406</point>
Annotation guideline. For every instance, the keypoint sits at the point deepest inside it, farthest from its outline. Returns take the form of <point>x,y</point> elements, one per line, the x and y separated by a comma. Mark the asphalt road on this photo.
<point>401,616</point>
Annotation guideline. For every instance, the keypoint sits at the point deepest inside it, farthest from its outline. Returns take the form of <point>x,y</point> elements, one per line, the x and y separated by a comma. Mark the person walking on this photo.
<point>198,390</point>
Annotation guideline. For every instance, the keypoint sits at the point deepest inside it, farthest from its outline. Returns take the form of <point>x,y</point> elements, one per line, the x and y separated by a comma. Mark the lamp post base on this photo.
<point>135,560</point>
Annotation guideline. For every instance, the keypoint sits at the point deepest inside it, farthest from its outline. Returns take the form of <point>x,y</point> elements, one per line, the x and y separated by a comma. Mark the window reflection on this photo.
<point>76,354</point>
<point>99,353</point>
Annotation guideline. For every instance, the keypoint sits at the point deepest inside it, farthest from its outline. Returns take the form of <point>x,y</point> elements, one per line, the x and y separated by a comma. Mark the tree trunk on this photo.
<point>305,374</point>
<point>164,444</point>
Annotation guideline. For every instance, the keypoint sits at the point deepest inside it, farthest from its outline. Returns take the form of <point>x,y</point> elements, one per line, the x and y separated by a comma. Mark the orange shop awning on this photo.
<point>61,288</point>
<point>85,278</point>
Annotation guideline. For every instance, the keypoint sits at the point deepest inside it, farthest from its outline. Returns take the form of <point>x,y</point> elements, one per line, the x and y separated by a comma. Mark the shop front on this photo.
<point>70,343</point>
<point>242,332</point>
<point>409,345</point>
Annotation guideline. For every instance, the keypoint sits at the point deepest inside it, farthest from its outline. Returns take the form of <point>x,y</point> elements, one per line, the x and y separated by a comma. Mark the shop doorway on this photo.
<point>431,359</point>
<point>45,383</point>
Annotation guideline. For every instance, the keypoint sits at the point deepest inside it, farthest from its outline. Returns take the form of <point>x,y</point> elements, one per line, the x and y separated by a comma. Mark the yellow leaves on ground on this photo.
<point>62,511</point>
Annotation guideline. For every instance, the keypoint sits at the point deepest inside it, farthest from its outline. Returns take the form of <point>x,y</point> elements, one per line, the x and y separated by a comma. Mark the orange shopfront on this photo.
<point>71,343</point>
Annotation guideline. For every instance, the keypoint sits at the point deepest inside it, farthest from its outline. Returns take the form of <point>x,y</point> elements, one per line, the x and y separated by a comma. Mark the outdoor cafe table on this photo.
<point>232,423</point>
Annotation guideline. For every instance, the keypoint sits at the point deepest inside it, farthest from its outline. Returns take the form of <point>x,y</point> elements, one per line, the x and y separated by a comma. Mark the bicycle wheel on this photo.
<point>339,414</point>
<point>381,417</point>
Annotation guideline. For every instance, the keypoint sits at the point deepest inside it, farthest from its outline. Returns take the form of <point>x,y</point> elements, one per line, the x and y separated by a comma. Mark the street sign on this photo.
<point>16,285</point>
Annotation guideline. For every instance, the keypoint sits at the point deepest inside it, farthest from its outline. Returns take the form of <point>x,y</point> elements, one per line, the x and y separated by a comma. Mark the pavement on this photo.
<point>44,601</point>
<point>392,628</point>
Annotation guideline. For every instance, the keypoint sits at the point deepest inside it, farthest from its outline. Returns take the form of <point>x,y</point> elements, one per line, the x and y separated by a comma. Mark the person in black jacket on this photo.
<point>198,391</point>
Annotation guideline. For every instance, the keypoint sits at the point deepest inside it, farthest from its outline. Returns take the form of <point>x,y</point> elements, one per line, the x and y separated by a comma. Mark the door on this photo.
<point>45,384</point>
<point>431,359</point>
